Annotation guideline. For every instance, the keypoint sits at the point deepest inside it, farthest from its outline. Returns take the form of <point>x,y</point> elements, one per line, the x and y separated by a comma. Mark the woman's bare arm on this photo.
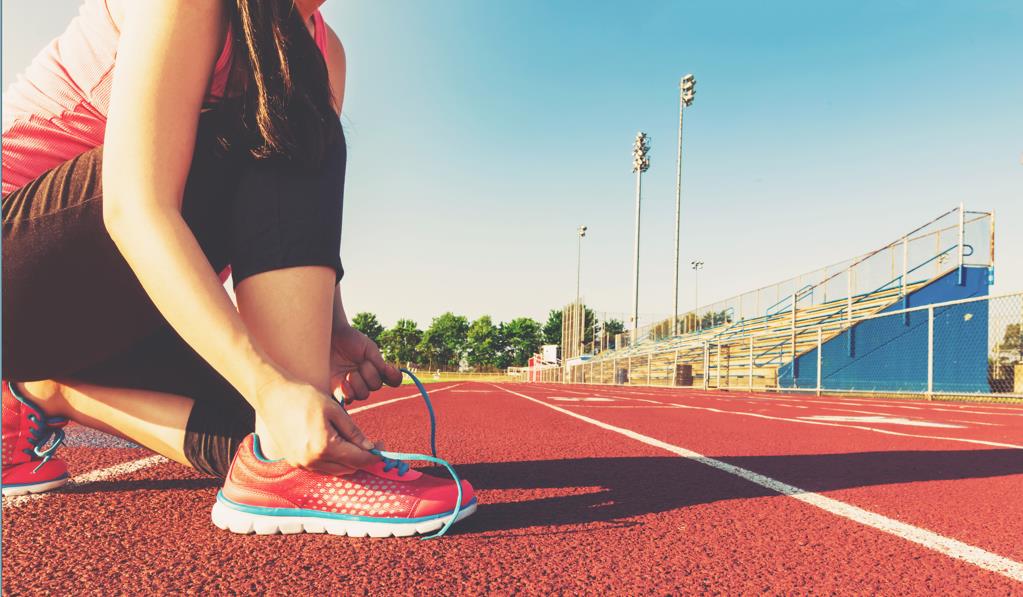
<point>165,59</point>
<point>337,70</point>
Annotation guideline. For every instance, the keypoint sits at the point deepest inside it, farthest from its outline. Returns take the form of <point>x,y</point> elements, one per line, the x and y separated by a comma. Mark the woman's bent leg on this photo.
<point>289,313</point>
<point>159,394</point>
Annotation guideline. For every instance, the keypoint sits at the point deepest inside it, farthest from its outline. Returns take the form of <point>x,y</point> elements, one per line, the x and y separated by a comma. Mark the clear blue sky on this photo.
<point>482,133</point>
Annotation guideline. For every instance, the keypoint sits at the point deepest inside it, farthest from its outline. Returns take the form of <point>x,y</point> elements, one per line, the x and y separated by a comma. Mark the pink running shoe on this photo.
<point>387,499</point>
<point>28,464</point>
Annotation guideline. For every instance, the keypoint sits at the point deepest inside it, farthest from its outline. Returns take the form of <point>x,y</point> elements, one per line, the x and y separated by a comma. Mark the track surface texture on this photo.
<point>583,490</point>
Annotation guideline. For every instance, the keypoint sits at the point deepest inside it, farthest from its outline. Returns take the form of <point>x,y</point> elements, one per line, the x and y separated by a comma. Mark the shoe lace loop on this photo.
<point>394,460</point>
<point>44,436</point>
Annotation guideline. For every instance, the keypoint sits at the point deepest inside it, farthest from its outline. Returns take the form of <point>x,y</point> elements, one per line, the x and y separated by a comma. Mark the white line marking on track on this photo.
<point>978,423</point>
<point>830,424</point>
<point>581,399</point>
<point>881,419</point>
<point>945,545</point>
<point>131,466</point>
<point>647,406</point>
<point>1000,410</point>
<point>102,474</point>
<point>360,409</point>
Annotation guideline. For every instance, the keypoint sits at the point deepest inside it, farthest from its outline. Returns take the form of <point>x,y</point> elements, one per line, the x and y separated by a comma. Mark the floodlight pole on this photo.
<point>640,164</point>
<point>686,92</point>
<point>581,232</point>
<point>697,265</point>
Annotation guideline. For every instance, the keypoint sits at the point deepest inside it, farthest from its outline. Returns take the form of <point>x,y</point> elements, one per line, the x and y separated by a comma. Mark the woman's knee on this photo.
<point>288,215</point>
<point>47,394</point>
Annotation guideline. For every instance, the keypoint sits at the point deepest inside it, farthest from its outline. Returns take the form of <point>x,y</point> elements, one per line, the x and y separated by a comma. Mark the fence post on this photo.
<point>706,364</point>
<point>750,381</point>
<point>820,357</point>
<point>629,365</point>
<point>674,368</point>
<point>649,360</point>
<point>962,241</point>
<point>718,373</point>
<point>930,352</point>
<point>795,373</point>
<point>848,308</point>
<point>905,275</point>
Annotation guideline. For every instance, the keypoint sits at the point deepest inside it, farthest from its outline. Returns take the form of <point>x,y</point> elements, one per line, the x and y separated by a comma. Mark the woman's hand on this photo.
<point>356,366</point>
<point>311,430</point>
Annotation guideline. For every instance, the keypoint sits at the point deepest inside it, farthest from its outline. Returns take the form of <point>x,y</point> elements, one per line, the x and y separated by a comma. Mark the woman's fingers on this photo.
<point>386,371</point>
<point>370,376</point>
<point>328,468</point>
<point>347,429</point>
<point>343,454</point>
<point>342,389</point>
<point>359,389</point>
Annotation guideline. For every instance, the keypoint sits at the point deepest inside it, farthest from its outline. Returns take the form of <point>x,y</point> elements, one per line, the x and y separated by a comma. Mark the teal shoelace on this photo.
<point>396,460</point>
<point>44,439</point>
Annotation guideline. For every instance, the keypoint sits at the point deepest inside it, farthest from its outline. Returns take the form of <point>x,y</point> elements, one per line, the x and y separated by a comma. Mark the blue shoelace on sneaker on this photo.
<point>396,460</point>
<point>42,434</point>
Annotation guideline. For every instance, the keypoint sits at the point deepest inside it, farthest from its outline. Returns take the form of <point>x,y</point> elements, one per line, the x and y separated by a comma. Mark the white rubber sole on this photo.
<point>36,488</point>
<point>245,523</point>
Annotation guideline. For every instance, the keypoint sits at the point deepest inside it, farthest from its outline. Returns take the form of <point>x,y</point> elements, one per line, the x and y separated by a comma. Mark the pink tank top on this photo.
<point>57,109</point>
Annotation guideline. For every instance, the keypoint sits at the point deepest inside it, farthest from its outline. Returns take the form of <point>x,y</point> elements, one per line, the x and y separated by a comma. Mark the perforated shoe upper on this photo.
<point>378,491</point>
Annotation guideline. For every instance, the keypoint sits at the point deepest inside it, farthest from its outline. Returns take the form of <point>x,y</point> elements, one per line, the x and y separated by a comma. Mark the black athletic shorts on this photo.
<point>73,308</point>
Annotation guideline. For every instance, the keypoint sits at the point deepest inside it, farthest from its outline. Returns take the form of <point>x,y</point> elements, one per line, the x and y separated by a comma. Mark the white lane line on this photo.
<point>360,409</point>
<point>102,474</point>
<point>929,539</point>
<point>829,424</point>
<point>883,420</point>
<point>131,466</point>
<point>646,406</point>
<point>1010,411</point>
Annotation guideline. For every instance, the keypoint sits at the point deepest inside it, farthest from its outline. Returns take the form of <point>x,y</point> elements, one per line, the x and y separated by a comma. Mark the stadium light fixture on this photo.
<point>640,164</point>
<point>581,232</point>
<point>697,266</point>
<point>687,92</point>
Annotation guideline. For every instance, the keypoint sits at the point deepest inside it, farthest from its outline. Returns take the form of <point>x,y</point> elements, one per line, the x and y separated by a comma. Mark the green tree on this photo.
<point>552,329</point>
<point>522,339</point>
<point>591,319</point>
<point>483,343</point>
<point>1011,346</point>
<point>443,343</point>
<point>612,327</point>
<point>367,323</point>
<point>399,343</point>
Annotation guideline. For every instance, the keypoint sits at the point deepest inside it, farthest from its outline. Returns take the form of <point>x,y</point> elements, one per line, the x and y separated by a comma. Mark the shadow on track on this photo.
<point>614,489</point>
<point>113,485</point>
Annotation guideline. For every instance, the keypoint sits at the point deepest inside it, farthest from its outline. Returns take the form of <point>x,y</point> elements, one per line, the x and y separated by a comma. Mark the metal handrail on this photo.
<point>853,263</point>
<point>845,309</point>
<point>799,292</point>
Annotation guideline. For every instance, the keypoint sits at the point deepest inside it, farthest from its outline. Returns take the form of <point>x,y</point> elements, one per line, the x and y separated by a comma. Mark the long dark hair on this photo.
<point>279,89</point>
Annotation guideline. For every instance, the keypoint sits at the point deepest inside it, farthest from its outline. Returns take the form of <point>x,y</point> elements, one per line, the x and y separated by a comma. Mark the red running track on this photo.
<point>585,489</point>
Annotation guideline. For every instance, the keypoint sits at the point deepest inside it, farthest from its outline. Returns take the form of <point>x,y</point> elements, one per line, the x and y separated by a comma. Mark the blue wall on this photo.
<point>890,353</point>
